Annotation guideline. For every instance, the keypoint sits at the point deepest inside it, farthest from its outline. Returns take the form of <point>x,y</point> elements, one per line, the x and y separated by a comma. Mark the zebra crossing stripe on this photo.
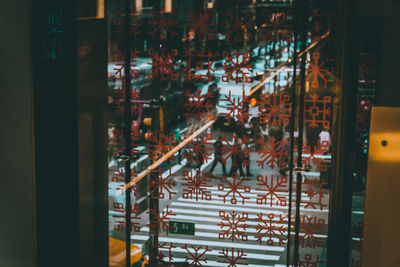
<point>211,243</point>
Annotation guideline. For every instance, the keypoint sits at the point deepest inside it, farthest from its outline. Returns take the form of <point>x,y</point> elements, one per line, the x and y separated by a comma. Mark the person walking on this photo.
<point>218,153</point>
<point>237,158</point>
<point>177,140</point>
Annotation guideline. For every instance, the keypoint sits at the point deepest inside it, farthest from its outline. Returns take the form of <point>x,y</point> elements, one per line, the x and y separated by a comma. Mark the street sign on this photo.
<point>183,228</point>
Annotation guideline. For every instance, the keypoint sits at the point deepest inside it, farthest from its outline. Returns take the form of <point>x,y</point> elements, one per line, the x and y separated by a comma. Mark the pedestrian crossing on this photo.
<point>205,214</point>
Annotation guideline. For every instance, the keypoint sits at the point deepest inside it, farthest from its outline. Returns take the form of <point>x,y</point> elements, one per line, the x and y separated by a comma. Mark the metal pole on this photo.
<point>127,131</point>
<point>292,126</point>
<point>154,207</point>
<point>303,27</point>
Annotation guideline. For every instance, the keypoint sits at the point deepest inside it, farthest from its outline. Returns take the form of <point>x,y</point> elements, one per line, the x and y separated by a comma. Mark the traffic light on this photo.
<point>153,119</point>
<point>253,101</point>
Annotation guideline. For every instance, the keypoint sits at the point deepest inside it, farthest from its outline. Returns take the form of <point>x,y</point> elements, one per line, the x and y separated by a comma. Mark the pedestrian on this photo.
<point>237,158</point>
<point>245,152</point>
<point>177,139</point>
<point>199,155</point>
<point>218,156</point>
<point>325,140</point>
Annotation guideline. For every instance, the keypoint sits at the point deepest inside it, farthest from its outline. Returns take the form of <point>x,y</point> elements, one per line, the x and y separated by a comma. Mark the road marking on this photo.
<point>210,243</point>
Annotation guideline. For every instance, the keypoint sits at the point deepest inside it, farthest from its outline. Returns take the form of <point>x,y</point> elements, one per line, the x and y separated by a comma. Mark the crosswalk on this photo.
<point>206,215</point>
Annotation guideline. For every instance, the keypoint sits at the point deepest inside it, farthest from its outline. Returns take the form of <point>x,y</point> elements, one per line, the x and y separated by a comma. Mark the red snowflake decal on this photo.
<point>271,189</point>
<point>233,225</point>
<point>275,109</point>
<point>316,196</point>
<point>159,144</point>
<point>163,64</point>
<point>235,190</point>
<point>317,73</point>
<point>238,26</point>
<point>317,111</point>
<point>198,105</point>
<point>236,108</point>
<point>165,247</point>
<point>119,176</point>
<point>199,150</point>
<point>235,151</point>
<point>163,24</point>
<point>311,228</point>
<point>314,156</point>
<point>237,67</point>
<point>278,27</point>
<point>197,63</point>
<point>268,229</point>
<point>196,186</point>
<point>121,220</point>
<point>196,254</point>
<point>309,262</point>
<point>120,68</point>
<point>201,23</point>
<point>232,258</point>
<point>162,218</point>
<point>271,152</point>
<point>164,184</point>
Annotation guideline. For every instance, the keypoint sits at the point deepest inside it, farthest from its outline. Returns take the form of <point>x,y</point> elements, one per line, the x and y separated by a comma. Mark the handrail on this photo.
<point>163,158</point>
<point>141,175</point>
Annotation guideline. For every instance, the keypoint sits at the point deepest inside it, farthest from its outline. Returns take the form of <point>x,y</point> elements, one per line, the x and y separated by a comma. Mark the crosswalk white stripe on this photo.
<point>211,243</point>
<point>255,205</point>
<point>216,235</point>
<point>226,208</point>
<point>211,219</point>
<point>209,213</point>
<point>216,253</point>
<point>221,264</point>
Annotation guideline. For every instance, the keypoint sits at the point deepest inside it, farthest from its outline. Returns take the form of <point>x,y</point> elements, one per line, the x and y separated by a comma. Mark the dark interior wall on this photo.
<point>16,179</point>
<point>388,93</point>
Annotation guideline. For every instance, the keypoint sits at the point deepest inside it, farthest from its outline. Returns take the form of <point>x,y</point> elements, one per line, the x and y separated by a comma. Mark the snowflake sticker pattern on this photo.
<point>271,152</point>
<point>162,219</point>
<point>199,66</point>
<point>195,255</point>
<point>317,111</point>
<point>275,109</point>
<point>234,190</point>
<point>198,105</point>
<point>159,144</point>
<point>237,25</point>
<point>120,67</point>
<point>121,217</point>
<point>267,228</point>
<point>201,23</point>
<point>310,156</point>
<point>316,72</point>
<point>165,252</point>
<point>196,186</point>
<point>233,225</point>
<point>311,229</point>
<point>163,65</point>
<point>163,25</point>
<point>164,184</point>
<point>198,150</point>
<point>236,107</point>
<point>278,26</point>
<point>233,151</point>
<point>237,67</point>
<point>119,177</point>
<point>309,262</point>
<point>314,191</point>
<point>269,190</point>
<point>232,257</point>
